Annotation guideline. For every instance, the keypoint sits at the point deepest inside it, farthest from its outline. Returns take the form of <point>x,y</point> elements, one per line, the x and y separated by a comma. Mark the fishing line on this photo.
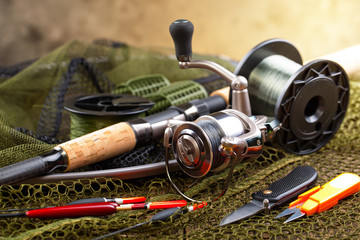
<point>268,80</point>
<point>84,124</point>
<point>214,134</point>
<point>309,100</point>
<point>94,112</point>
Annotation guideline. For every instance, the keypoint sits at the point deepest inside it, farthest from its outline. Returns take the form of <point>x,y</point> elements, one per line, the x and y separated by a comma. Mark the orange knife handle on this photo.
<point>338,188</point>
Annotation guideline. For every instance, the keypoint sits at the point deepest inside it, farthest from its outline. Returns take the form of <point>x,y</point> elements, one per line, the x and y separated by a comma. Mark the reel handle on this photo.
<point>182,31</point>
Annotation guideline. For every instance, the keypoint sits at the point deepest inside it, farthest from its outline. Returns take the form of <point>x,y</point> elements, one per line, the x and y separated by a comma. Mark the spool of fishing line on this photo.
<point>309,100</point>
<point>94,112</point>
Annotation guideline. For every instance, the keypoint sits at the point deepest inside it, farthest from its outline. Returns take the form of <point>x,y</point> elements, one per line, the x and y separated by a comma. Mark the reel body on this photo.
<point>197,145</point>
<point>216,141</point>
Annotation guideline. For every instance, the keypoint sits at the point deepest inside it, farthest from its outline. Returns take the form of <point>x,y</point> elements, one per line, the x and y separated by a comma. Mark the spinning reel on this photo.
<point>216,141</point>
<point>307,102</point>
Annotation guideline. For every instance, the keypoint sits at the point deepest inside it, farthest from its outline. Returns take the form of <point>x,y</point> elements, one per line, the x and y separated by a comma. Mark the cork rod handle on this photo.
<point>99,145</point>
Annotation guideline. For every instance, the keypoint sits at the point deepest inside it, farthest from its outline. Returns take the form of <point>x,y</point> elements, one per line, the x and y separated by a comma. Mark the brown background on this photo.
<point>32,28</point>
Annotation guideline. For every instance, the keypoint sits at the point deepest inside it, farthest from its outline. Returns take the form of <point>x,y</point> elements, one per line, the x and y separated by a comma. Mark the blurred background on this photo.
<point>32,28</point>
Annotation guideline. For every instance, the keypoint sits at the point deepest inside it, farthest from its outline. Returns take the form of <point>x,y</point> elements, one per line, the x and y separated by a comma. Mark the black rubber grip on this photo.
<point>209,105</point>
<point>296,182</point>
<point>23,170</point>
<point>182,31</point>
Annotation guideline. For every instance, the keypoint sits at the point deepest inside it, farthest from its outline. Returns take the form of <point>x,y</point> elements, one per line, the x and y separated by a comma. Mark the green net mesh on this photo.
<point>26,96</point>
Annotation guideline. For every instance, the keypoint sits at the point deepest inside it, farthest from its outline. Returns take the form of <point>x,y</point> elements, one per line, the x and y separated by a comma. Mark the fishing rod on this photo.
<point>79,151</point>
<point>347,58</point>
<point>108,142</point>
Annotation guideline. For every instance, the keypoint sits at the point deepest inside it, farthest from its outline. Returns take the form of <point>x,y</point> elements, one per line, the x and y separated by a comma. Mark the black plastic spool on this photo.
<point>107,105</point>
<point>94,112</point>
<point>312,104</point>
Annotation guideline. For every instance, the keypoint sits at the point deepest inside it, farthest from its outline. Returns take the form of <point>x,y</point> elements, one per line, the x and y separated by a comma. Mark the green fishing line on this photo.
<point>94,112</point>
<point>309,100</point>
<point>82,124</point>
<point>268,80</point>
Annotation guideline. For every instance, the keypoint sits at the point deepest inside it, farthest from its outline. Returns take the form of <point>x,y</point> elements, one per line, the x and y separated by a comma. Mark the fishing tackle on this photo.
<point>94,112</point>
<point>309,100</point>
<point>164,215</point>
<point>92,209</point>
<point>108,142</point>
<point>216,141</point>
<point>308,103</point>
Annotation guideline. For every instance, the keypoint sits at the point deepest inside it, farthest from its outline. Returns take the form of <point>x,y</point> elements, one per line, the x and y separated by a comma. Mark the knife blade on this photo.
<point>299,180</point>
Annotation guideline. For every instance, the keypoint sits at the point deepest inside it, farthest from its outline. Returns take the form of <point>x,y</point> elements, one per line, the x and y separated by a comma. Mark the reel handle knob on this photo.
<point>182,31</point>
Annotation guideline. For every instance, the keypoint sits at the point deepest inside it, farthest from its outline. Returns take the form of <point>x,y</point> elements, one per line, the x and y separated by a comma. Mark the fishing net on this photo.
<point>32,121</point>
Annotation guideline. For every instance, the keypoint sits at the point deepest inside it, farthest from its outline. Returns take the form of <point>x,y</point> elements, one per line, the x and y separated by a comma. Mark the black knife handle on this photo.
<point>296,182</point>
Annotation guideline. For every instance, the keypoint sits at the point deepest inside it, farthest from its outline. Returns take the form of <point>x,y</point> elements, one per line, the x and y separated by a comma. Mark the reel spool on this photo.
<point>196,144</point>
<point>309,100</point>
<point>94,112</point>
